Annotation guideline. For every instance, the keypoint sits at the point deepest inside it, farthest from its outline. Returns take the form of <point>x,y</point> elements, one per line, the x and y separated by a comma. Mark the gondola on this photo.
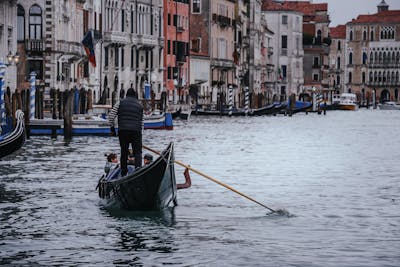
<point>13,140</point>
<point>151,187</point>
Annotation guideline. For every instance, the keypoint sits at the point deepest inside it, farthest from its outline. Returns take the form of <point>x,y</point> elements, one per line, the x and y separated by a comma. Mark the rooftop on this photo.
<point>338,32</point>
<point>388,16</point>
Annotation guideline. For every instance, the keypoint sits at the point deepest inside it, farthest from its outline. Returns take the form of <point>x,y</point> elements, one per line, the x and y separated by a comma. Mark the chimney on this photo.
<point>383,6</point>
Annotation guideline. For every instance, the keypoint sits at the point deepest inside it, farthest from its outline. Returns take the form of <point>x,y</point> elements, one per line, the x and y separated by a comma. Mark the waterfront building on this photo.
<point>176,52</point>
<point>132,48</point>
<point>8,42</point>
<point>337,58</point>
<point>373,55</point>
<point>259,57</point>
<point>288,54</point>
<point>212,28</point>
<point>199,25</point>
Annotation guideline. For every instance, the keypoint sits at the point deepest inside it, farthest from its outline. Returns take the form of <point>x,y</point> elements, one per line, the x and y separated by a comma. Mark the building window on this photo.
<point>122,57</point>
<point>196,6</point>
<point>284,41</point>
<point>363,77</point>
<point>35,23</point>
<point>372,36</point>
<point>20,23</point>
<point>284,19</point>
<point>132,56</point>
<point>106,57</point>
<point>37,67</point>
<point>116,57</point>
<point>222,48</point>
<point>122,20</point>
<point>351,58</point>
<point>365,36</point>
<point>364,58</point>
<point>196,44</point>
<point>315,77</point>
<point>339,45</point>
<point>284,71</point>
<point>338,63</point>
<point>316,62</point>
<point>350,77</point>
<point>351,35</point>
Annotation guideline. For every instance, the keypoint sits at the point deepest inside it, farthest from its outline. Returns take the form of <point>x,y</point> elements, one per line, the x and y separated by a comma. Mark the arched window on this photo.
<point>384,76</point>
<point>375,76</point>
<point>351,35</point>
<point>365,35</point>
<point>382,35</point>
<point>397,57</point>
<point>371,59</point>
<point>35,22</point>
<point>372,36</point>
<point>379,76</point>
<point>319,37</point>
<point>370,77</point>
<point>351,58</point>
<point>380,57</point>
<point>364,58</point>
<point>350,77</point>
<point>384,57</point>
<point>20,23</point>
<point>363,77</point>
<point>393,77</point>
<point>339,45</point>
<point>338,63</point>
<point>397,76</point>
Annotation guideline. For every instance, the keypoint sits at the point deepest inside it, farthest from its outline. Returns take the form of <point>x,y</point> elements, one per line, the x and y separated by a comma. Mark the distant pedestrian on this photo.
<point>130,126</point>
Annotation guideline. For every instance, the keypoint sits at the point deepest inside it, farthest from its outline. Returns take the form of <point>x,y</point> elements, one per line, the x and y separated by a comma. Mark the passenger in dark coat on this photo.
<point>130,126</point>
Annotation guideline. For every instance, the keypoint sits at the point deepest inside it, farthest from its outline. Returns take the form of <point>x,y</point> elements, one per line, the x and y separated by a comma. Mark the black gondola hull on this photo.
<point>13,141</point>
<point>150,188</point>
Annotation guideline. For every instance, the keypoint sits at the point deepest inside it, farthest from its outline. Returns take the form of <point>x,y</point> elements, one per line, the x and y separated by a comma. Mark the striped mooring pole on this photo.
<point>246,100</point>
<point>32,82</point>
<point>3,68</point>
<point>230,99</point>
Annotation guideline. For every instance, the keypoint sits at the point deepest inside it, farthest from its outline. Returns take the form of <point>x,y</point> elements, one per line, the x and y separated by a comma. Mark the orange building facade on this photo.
<point>176,49</point>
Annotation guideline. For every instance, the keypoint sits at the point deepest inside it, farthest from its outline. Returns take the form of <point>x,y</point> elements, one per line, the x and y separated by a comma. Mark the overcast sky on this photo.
<point>343,11</point>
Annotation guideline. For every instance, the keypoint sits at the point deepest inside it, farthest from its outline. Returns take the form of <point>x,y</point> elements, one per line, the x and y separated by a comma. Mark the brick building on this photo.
<point>176,52</point>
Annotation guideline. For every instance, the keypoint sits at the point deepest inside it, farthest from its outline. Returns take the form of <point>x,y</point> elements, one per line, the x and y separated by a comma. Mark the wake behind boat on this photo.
<point>151,187</point>
<point>14,140</point>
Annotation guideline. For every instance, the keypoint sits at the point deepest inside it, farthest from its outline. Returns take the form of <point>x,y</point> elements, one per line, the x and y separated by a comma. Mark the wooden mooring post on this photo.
<point>68,115</point>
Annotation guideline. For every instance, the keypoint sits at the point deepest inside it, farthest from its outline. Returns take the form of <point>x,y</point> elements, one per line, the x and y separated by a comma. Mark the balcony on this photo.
<point>116,37</point>
<point>35,46</point>
<point>224,21</point>
<point>148,41</point>
<point>180,29</point>
<point>69,47</point>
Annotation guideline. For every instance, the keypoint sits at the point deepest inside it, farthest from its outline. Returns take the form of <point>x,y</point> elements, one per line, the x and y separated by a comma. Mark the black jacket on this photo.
<point>130,114</point>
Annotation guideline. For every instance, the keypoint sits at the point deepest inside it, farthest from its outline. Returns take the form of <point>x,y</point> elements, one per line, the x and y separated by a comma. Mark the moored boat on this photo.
<point>13,140</point>
<point>389,105</point>
<point>96,125</point>
<point>151,187</point>
<point>348,101</point>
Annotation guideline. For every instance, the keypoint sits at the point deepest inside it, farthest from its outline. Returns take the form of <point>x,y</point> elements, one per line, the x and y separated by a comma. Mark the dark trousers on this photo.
<point>125,139</point>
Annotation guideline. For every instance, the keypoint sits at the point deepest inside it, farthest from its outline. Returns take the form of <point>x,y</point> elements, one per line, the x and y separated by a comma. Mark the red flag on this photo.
<point>89,48</point>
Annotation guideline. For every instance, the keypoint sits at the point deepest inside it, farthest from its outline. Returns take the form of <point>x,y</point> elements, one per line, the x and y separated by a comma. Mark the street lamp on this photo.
<point>12,59</point>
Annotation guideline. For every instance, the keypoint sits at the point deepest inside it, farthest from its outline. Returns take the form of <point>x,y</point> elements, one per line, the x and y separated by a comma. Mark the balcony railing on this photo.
<point>32,45</point>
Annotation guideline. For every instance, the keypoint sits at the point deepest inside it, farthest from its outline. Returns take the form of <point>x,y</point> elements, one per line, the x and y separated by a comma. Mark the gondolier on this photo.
<point>130,125</point>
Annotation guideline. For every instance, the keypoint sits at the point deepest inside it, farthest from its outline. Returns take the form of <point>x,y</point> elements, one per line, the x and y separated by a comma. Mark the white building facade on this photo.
<point>288,51</point>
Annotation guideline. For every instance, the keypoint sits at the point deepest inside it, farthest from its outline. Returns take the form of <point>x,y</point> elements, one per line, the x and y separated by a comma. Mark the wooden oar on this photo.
<point>212,179</point>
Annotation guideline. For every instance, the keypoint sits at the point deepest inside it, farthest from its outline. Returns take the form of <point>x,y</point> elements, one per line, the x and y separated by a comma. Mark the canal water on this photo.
<point>337,176</point>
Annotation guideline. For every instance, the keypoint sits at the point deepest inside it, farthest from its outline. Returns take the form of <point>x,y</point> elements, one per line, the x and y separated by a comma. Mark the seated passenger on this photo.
<point>112,162</point>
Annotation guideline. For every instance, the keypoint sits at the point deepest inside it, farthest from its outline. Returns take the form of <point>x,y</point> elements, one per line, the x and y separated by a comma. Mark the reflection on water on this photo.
<point>334,179</point>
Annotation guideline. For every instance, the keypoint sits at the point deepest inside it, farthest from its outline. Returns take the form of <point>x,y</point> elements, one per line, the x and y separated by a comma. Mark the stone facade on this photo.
<point>288,51</point>
<point>8,41</point>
